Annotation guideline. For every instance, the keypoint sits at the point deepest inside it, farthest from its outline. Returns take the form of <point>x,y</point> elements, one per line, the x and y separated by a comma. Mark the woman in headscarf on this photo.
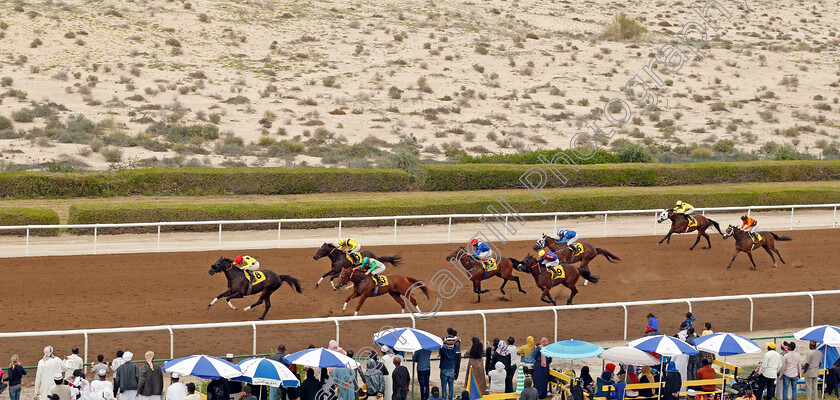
<point>503,356</point>
<point>150,381</point>
<point>673,383</point>
<point>647,377</point>
<point>526,352</point>
<point>48,367</point>
<point>476,365</point>
<point>541,369</point>
<point>586,379</point>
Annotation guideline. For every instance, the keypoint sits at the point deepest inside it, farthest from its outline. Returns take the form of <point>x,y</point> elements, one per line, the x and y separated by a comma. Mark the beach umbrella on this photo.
<point>262,371</point>
<point>407,339</point>
<point>203,366</point>
<point>828,334</point>
<point>628,355</point>
<point>726,344</point>
<point>322,358</point>
<point>663,345</point>
<point>572,350</point>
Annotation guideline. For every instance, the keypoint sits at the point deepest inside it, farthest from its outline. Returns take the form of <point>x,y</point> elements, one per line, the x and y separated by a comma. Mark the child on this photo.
<point>689,320</point>
<point>435,393</point>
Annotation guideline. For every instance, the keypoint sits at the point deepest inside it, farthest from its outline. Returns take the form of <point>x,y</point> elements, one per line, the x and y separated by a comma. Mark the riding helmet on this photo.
<point>365,260</point>
<point>541,253</point>
<point>679,202</point>
<point>237,260</point>
<point>561,233</point>
<point>744,216</point>
<point>473,242</point>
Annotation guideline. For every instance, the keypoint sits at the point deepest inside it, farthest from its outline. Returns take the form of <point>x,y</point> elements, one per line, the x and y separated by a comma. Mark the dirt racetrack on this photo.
<point>103,291</point>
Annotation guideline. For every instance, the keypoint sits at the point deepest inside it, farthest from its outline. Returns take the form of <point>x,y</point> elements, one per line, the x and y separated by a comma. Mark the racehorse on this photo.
<point>364,287</point>
<point>743,242</point>
<point>339,261</point>
<point>679,224</point>
<point>504,270</point>
<point>543,277</point>
<point>565,254</point>
<point>238,284</point>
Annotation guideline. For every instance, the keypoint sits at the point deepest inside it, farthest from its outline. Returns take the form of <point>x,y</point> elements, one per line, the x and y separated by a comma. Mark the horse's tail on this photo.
<point>584,272</point>
<point>715,224</point>
<point>514,261</point>
<point>293,282</point>
<point>394,260</point>
<point>421,285</point>
<point>780,238</point>
<point>609,256</point>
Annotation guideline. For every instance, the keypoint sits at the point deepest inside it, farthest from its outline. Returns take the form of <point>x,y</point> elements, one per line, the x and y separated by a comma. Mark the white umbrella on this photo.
<point>322,358</point>
<point>663,345</point>
<point>827,334</point>
<point>726,344</point>
<point>262,371</point>
<point>628,355</point>
<point>205,367</point>
<point>408,339</point>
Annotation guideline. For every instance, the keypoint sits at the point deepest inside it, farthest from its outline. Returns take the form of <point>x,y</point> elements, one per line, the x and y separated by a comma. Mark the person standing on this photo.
<point>374,379</point>
<point>476,365</point>
<point>504,356</point>
<point>424,370</point>
<point>101,389</point>
<point>542,365</point>
<point>116,363</point>
<point>652,327</point>
<point>694,359</point>
<point>72,363</point>
<point>150,381</point>
<point>100,365</point>
<point>770,365</point>
<point>191,394</point>
<point>448,353</point>
<point>275,392</point>
<point>14,376</point>
<point>126,378</point>
<point>48,367</point>
<point>529,393</point>
<point>401,379</point>
<point>310,386</point>
<point>811,371</point>
<point>60,388</point>
<point>789,371</point>
<point>673,383</point>
<point>176,389</point>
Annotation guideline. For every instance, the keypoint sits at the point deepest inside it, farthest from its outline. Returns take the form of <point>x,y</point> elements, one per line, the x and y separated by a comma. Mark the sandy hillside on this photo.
<point>349,82</point>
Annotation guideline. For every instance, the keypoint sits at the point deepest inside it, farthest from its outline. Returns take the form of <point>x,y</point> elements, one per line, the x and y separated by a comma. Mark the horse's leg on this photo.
<point>708,241</point>
<point>399,300</point>
<point>772,257</point>
<point>267,306</point>
<point>477,290</point>
<point>518,284</point>
<point>780,256</point>
<point>749,253</point>
<point>351,297</point>
<point>362,299</point>
<point>696,241</point>
<point>546,296</point>
<point>572,296</point>
<point>322,278</point>
<point>225,293</point>
<point>585,265</point>
<point>667,236</point>
<point>733,258</point>
<point>503,284</point>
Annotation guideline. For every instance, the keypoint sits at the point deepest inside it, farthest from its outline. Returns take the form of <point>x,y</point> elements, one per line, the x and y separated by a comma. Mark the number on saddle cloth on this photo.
<point>256,275</point>
<point>489,265</point>
<point>755,237</point>
<point>577,249</point>
<point>354,258</point>
<point>692,222</point>
<point>381,280</point>
<point>557,272</point>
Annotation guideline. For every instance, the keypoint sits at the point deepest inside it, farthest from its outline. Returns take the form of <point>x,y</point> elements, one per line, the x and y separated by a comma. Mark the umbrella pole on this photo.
<point>723,378</point>
<point>661,377</point>
<point>825,357</point>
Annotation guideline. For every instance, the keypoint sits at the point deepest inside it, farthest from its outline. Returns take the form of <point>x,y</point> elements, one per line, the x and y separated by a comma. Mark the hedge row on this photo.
<point>200,181</point>
<point>28,216</point>
<point>499,176</point>
<point>472,203</point>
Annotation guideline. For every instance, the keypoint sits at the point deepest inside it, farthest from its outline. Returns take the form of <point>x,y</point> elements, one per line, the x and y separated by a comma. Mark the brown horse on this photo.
<point>339,261</point>
<point>504,270</point>
<point>679,224</point>
<point>238,284</point>
<point>364,287</point>
<point>542,276</point>
<point>743,242</point>
<point>565,254</point>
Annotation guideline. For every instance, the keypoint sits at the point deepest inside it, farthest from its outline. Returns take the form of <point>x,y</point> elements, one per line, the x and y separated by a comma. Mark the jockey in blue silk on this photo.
<point>482,250</point>
<point>566,236</point>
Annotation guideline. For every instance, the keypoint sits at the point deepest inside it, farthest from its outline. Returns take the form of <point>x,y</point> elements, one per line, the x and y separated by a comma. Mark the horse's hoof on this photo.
<point>208,306</point>
<point>261,318</point>
<point>503,292</point>
<point>316,286</point>
<point>246,308</point>
<point>522,291</point>
<point>753,268</point>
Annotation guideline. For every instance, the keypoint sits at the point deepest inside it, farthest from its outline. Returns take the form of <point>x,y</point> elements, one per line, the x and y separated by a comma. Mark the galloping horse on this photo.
<point>364,287</point>
<point>543,277</point>
<point>565,254</point>
<point>743,242</point>
<point>504,270</point>
<point>679,224</point>
<point>238,284</point>
<point>339,261</point>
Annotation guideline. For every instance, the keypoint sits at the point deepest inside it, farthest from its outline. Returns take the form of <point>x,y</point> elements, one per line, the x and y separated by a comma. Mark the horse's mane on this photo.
<point>329,244</point>
<point>228,260</point>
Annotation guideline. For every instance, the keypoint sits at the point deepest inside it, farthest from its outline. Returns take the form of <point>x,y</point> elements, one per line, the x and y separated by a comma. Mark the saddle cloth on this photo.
<point>257,275</point>
<point>489,265</point>
<point>577,249</point>
<point>557,272</point>
<point>381,280</point>
<point>756,237</point>
<point>692,222</point>
<point>354,258</point>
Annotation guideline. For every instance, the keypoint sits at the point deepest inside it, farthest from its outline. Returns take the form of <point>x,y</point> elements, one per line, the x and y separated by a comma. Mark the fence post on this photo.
<point>254,347</point>
<point>555,323</point>
<point>395,231</point>
<point>220,236</point>
<point>605,224</point>
<point>158,238</point>
<point>752,306</point>
<point>86,346</point>
<point>94,238</point>
<point>484,323</point>
<point>655,221</point>
<point>413,321</point>
<point>812,308</point>
<point>625,321</point>
<point>171,342</point>
<point>339,233</point>
<point>555,223</point>
<point>689,306</point>
<point>336,329</point>
<point>449,232</point>
<point>791,218</point>
<point>27,240</point>
<point>834,218</point>
<point>279,228</point>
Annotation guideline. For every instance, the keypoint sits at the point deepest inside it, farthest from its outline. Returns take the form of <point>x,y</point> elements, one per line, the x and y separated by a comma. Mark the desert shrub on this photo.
<point>622,27</point>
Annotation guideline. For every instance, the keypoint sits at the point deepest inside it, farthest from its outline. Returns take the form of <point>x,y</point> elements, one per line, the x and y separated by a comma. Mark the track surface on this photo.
<point>76,292</point>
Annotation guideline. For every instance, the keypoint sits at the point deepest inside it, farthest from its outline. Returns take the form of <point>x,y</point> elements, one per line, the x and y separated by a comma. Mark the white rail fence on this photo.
<point>483,313</point>
<point>832,207</point>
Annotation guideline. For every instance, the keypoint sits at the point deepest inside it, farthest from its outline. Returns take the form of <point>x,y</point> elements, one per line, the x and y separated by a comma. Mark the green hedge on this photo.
<point>498,176</point>
<point>601,156</point>
<point>200,181</point>
<point>471,203</point>
<point>28,216</point>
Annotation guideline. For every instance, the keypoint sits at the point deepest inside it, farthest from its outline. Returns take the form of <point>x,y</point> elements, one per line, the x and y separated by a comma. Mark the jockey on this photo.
<point>482,250</point>
<point>349,245</point>
<point>373,266</point>
<point>566,236</point>
<point>749,225</point>
<point>683,208</point>
<point>549,259</point>
<point>249,263</point>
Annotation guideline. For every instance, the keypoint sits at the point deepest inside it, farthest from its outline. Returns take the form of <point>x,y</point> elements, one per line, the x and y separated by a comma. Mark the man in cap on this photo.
<point>127,378</point>
<point>61,389</point>
<point>72,363</point>
<point>176,389</point>
<point>811,370</point>
<point>690,394</point>
<point>101,389</point>
<point>769,370</point>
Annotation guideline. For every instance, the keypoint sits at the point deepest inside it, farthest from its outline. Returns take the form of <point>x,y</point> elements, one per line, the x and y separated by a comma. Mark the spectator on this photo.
<point>72,363</point>
<point>217,390</point>
<point>586,380</point>
<point>101,389</point>
<point>690,394</point>
<point>246,394</point>
<point>465,395</point>
<point>704,355</point>
<point>526,353</point>
<point>647,377</point>
<point>706,372</point>
<point>233,388</point>
<point>401,379</point>
<point>708,330</point>
<point>689,319</point>
<point>769,370</point>
<point>449,357</point>
<point>176,389</point>
<point>60,388</point>
<point>490,355</point>
<point>191,394</point>
<point>652,325</point>
<point>748,394</point>
<point>126,378</point>
<point>435,393</point>
<point>150,381</point>
<point>606,379</point>
<point>789,371</point>
<point>683,333</point>
<point>541,368</point>
<point>14,375</point>
<point>79,386</point>
<point>274,392</point>
<point>310,386</point>
<point>388,364</point>
<point>502,355</point>
<point>497,378</point>
<point>529,393</point>
<point>694,359</point>
<point>476,366</point>
<point>48,367</point>
<point>344,382</point>
<point>374,379</point>
<point>811,371</point>
<point>117,362</point>
<point>673,383</point>
<point>424,371</point>
<point>100,365</point>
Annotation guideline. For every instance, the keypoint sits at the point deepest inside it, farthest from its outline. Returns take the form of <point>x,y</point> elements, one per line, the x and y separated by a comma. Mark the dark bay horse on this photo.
<point>238,284</point>
<point>565,254</point>
<point>504,270</point>
<point>543,278</point>
<point>679,224</point>
<point>743,242</point>
<point>364,287</point>
<point>339,261</point>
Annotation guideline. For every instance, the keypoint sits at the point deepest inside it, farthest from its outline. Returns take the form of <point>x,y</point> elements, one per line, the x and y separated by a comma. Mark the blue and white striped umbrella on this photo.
<point>664,345</point>
<point>262,371</point>
<point>322,358</point>
<point>827,334</point>
<point>407,339</point>
<point>205,367</point>
<point>726,344</point>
